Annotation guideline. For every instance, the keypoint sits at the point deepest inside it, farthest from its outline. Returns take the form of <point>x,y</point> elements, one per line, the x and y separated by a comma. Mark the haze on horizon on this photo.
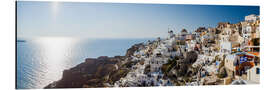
<point>120,20</point>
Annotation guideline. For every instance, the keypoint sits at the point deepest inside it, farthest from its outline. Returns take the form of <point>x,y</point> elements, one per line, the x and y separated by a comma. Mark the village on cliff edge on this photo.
<point>226,55</point>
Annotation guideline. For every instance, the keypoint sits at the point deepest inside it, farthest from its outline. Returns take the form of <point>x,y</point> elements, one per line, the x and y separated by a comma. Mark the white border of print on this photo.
<point>7,41</point>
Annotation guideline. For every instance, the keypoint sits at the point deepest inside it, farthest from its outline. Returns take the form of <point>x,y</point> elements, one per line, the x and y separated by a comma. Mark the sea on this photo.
<point>41,61</point>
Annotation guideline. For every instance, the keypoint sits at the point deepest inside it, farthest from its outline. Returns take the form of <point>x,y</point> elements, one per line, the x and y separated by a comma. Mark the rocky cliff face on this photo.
<point>96,72</point>
<point>134,48</point>
<point>180,70</point>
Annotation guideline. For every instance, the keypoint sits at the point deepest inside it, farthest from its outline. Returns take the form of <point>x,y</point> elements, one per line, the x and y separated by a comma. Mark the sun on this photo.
<point>55,7</point>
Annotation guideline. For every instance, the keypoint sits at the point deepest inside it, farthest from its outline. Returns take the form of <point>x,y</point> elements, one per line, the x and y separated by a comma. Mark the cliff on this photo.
<point>96,72</point>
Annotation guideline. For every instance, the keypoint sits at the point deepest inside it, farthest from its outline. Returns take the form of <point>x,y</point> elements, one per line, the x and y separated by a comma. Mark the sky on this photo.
<point>120,20</point>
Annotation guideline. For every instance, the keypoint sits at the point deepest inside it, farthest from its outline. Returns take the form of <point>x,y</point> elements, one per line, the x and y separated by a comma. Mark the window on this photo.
<point>257,70</point>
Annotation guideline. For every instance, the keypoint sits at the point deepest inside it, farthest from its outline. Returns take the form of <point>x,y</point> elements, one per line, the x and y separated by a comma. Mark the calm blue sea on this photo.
<point>41,61</point>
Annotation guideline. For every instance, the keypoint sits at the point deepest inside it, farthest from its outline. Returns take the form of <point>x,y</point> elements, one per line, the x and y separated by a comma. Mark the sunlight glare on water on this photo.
<point>56,52</point>
<point>42,60</point>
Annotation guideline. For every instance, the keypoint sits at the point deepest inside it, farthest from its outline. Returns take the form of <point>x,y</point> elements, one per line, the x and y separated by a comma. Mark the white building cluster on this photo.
<point>226,54</point>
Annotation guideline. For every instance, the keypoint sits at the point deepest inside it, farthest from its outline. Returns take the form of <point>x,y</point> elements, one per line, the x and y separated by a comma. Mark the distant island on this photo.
<point>21,40</point>
<point>225,55</point>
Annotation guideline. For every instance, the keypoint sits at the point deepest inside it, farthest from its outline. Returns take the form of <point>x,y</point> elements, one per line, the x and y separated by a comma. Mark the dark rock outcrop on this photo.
<point>191,57</point>
<point>222,73</point>
<point>90,71</point>
<point>180,68</point>
<point>134,48</point>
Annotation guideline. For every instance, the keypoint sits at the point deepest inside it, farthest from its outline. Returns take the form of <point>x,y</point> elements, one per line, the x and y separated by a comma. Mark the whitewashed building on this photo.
<point>251,18</point>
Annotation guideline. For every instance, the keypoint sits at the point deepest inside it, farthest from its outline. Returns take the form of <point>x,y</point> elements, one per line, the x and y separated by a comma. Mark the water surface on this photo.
<point>41,61</point>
